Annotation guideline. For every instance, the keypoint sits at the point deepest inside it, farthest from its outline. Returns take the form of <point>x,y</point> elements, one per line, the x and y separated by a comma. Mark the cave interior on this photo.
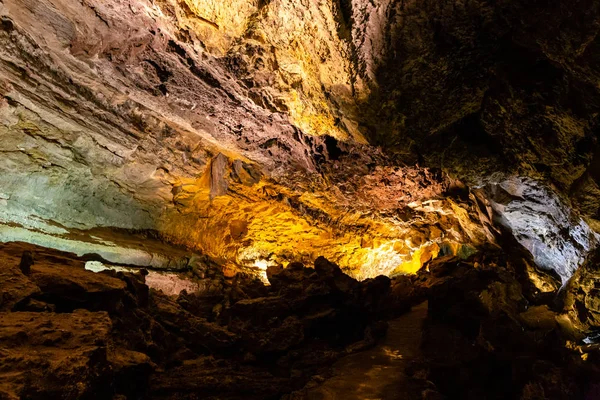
<point>299,199</point>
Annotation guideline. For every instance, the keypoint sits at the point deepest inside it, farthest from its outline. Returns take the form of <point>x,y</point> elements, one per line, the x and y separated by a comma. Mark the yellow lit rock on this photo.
<point>262,223</point>
<point>185,131</point>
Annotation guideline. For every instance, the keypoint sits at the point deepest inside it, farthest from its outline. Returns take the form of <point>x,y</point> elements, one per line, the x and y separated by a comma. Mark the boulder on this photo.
<point>54,356</point>
<point>15,287</point>
<point>333,275</point>
<point>131,372</point>
<point>539,317</point>
<point>199,334</point>
<point>70,288</point>
<point>308,306</point>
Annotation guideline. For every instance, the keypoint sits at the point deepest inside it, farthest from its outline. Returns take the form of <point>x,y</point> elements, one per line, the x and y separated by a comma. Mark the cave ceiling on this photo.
<point>377,134</point>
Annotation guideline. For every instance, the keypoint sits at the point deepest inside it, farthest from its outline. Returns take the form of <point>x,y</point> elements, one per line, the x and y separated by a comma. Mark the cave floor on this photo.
<point>379,373</point>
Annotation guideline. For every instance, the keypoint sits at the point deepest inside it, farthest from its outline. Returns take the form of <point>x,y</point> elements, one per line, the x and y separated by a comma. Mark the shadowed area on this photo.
<point>378,373</point>
<point>297,199</point>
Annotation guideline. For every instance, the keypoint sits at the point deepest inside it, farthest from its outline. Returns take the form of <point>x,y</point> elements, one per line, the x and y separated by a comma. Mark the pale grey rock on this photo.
<point>543,223</point>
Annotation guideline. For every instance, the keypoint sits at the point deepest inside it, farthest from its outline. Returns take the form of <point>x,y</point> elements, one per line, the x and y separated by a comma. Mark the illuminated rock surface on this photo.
<point>557,239</point>
<point>205,148</point>
<point>156,129</point>
<point>238,129</point>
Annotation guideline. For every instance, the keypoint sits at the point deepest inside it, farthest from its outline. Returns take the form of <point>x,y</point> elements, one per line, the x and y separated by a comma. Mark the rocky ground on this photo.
<point>436,151</point>
<point>494,329</point>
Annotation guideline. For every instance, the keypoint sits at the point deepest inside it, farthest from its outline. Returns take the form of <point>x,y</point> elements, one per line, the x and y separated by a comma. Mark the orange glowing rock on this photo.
<point>228,214</point>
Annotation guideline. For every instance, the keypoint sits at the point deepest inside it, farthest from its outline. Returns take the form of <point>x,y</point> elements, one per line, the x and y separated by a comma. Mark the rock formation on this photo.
<point>172,170</point>
<point>79,334</point>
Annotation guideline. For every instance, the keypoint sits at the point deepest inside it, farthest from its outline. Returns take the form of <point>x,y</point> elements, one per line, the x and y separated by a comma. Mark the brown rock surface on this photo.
<point>268,342</point>
<point>182,116</point>
<point>47,355</point>
<point>235,141</point>
<point>482,340</point>
<point>582,299</point>
<point>263,341</point>
<point>70,288</point>
<point>15,288</point>
<point>178,117</point>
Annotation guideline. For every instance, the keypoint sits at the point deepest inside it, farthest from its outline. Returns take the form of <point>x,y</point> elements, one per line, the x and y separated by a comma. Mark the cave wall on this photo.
<point>230,128</point>
<point>241,128</point>
<point>479,87</point>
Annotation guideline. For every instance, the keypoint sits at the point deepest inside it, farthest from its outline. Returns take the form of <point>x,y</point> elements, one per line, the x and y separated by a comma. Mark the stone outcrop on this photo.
<point>489,334</point>
<point>49,355</point>
<point>236,337</point>
<point>411,151</point>
<point>80,334</point>
<point>478,88</point>
<point>581,302</point>
<point>557,238</point>
<point>122,111</point>
<point>17,288</point>
<point>175,118</point>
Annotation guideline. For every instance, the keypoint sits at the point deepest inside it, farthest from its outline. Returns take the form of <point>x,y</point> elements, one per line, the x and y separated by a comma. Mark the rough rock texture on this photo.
<point>581,303</point>
<point>489,333</point>
<point>17,288</point>
<point>99,335</point>
<point>73,288</point>
<point>47,355</point>
<point>471,345</point>
<point>557,238</point>
<point>234,140</point>
<point>479,87</point>
<point>181,117</point>
<point>239,129</point>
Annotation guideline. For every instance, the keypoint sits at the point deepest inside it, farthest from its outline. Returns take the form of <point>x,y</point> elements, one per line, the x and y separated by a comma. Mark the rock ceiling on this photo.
<point>378,134</point>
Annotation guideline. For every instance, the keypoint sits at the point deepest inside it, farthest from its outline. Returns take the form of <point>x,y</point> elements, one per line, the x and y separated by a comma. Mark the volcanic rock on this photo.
<point>47,355</point>
<point>26,262</point>
<point>478,322</point>
<point>70,288</point>
<point>15,288</point>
